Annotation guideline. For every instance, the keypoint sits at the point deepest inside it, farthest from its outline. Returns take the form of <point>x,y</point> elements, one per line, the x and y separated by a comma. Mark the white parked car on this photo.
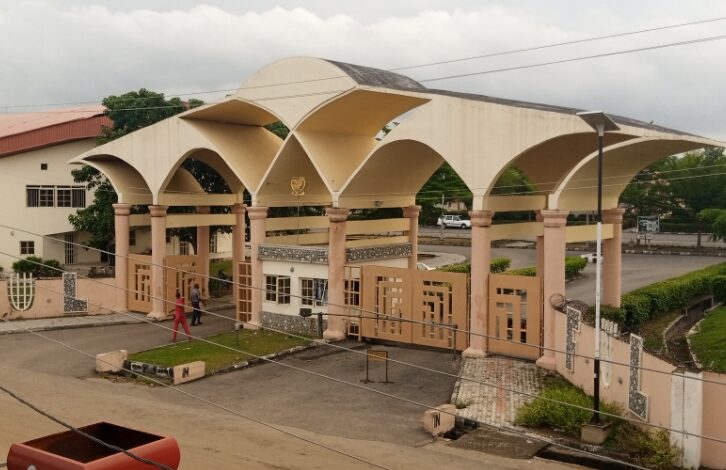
<point>455,221</point>
<point>591,257</point>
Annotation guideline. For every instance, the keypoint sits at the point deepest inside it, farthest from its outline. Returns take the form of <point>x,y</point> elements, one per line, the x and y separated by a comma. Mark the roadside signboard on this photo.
<point>648,223</point>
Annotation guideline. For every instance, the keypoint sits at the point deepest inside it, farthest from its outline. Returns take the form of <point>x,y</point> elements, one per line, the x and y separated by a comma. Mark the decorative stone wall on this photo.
<point>316,255</point>
<point>71,304</point>
<point>637,401</point>
<point>297,254</point>
<point>292,323</point>
<point>374,253</point>
<point>573,327</point>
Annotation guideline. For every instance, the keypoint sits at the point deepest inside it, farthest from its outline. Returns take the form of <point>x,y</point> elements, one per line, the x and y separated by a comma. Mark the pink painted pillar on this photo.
<point>337,325</point>
<point>481,257</point>
<point>411,213</point>
<point>258,217</point>
<point>121,226</point>
<point>612,258</point>
<point>203,252</point>
<point>159,308</point>
<point>539,248</point>
<point>238,248</point>
<point>553,274</point>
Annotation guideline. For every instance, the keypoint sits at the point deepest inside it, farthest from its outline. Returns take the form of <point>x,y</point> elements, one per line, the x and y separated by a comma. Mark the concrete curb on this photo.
<point>163,372</point>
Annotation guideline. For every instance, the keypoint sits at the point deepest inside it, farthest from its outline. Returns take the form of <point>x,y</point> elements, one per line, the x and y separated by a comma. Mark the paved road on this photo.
<point>638,270</point>
<point>629,236</point>
<point>382,430</point>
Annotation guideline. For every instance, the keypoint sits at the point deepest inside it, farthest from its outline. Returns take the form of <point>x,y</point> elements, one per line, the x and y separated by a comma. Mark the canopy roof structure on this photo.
<point>335,112</point>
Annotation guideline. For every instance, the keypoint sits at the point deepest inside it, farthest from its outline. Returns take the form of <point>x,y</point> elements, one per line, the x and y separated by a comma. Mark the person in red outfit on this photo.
<point>179,317</point>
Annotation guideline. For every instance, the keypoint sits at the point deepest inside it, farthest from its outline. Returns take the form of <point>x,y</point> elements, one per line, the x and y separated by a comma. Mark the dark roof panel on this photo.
<point>369,76</point>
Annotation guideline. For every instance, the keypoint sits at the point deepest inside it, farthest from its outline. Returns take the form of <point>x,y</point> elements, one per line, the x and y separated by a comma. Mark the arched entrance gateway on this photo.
<point>335,158</point>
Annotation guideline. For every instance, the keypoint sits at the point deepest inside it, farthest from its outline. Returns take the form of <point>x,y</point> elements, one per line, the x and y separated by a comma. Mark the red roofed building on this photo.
<point>36,186</point>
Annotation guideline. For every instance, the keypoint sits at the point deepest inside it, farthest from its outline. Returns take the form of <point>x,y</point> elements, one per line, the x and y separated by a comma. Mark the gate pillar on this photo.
<point>555,242</point>
<point>337,324</point>
<point>612,258</point>
<point>158,255</point>
<point>258,233</point>
<point>121,226</point>
<point>481,255</point>
<point>412,213</point>
<point>203,252</point>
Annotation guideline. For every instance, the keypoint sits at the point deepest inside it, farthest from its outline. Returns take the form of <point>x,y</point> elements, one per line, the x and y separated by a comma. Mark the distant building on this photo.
<point>36,186</point>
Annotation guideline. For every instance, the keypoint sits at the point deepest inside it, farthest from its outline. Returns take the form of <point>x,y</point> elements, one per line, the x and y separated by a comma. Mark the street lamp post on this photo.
<point>602,123</point>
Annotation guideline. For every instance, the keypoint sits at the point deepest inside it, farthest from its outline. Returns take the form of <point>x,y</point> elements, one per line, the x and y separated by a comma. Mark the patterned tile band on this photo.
<point>315,255</point>
<point>637,400</point>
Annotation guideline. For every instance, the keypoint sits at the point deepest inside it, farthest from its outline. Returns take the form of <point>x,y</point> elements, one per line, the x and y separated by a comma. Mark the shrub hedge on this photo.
<point>573,266</point>
<point>497,265</point>
<point>651,301</point>
<point>38,267</point>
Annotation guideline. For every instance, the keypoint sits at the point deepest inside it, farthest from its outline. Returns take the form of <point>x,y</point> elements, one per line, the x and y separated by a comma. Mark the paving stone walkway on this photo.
<point>497,402</point>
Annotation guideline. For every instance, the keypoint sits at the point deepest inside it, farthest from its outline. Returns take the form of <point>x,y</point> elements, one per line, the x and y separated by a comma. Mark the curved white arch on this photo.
<point>379,181</point>
<point>621,163</point>
<point>129,184</point>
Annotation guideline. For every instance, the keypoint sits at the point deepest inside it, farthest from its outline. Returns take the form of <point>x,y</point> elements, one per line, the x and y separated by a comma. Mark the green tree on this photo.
<point>716,219</point>
<point>128,112</point>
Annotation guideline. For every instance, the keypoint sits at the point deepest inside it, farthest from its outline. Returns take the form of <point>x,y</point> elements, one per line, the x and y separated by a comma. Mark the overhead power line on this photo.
<point>85,434</point>
<point>430,64</point>
<point>374,315</point>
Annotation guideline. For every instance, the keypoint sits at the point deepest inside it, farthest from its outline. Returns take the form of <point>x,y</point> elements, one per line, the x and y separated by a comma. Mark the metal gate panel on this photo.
<point>139,282</point>
<point>440,308</point>
<point>244,291</point>
<point>515,315</point>
<point>180,273</point>
<point>386,301</point>
<point>414,307</point>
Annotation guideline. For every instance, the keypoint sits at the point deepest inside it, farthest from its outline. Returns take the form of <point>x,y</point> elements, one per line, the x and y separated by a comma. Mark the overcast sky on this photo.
<point>82,50</point>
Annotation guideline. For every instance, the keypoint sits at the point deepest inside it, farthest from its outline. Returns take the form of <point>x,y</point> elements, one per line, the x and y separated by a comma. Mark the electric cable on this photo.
<point>82,433</point>
<point>355,385</point>
<point>408,67</point>
<point>413,402</point>
<point>376,315</point>
<point>208,402</point>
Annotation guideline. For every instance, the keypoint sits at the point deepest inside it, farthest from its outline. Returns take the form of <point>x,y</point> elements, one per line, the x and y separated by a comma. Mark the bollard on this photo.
<point>320,325</point>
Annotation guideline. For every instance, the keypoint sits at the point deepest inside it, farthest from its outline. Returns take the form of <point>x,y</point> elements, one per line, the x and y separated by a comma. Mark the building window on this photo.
<point>183,248</point>
<point>27,248</point>
<point>52,196</point>
<point>277,289</point>
<point>132,238</point>
<point>43,166</point>
<point>314,292</point>
<point>213,243</point>
<point>63,194</point>
<point>78,197</point>
<point>352,292</point>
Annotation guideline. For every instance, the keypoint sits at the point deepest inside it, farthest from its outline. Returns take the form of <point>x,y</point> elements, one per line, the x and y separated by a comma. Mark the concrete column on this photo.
<point>539,248</point>
<point>238,248</point>
<point>203,252</point>
<point>121,226</point>
<point>337,325</point>
<point>411,213</point>
<point>612,258</point>
<point>258,216</point>
<point>553,274</point>
<point>159,308</point>
<point>481,257</point>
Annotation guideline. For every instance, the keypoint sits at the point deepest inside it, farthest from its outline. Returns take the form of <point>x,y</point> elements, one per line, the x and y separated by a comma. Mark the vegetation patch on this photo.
<point>573,267</point>
<point>643,448</point>
<point>497,265</point>
<point>662,297</point>
<point>220,351</point>
<point>709,343</point>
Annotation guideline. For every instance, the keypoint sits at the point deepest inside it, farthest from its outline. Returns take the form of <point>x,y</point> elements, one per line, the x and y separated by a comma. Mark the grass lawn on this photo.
<point>709,343</point>
<point>255,342</point>
<point>652,331</point>
<point>224,264</point>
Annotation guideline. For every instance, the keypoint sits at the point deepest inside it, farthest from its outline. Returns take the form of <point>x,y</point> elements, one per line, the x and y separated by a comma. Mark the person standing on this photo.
<point>196,298</point>
<point>179,317</point>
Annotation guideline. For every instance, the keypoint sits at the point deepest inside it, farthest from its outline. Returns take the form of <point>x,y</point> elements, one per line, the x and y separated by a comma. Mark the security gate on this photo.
<point>415,307</point>
<point>515,315</point>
